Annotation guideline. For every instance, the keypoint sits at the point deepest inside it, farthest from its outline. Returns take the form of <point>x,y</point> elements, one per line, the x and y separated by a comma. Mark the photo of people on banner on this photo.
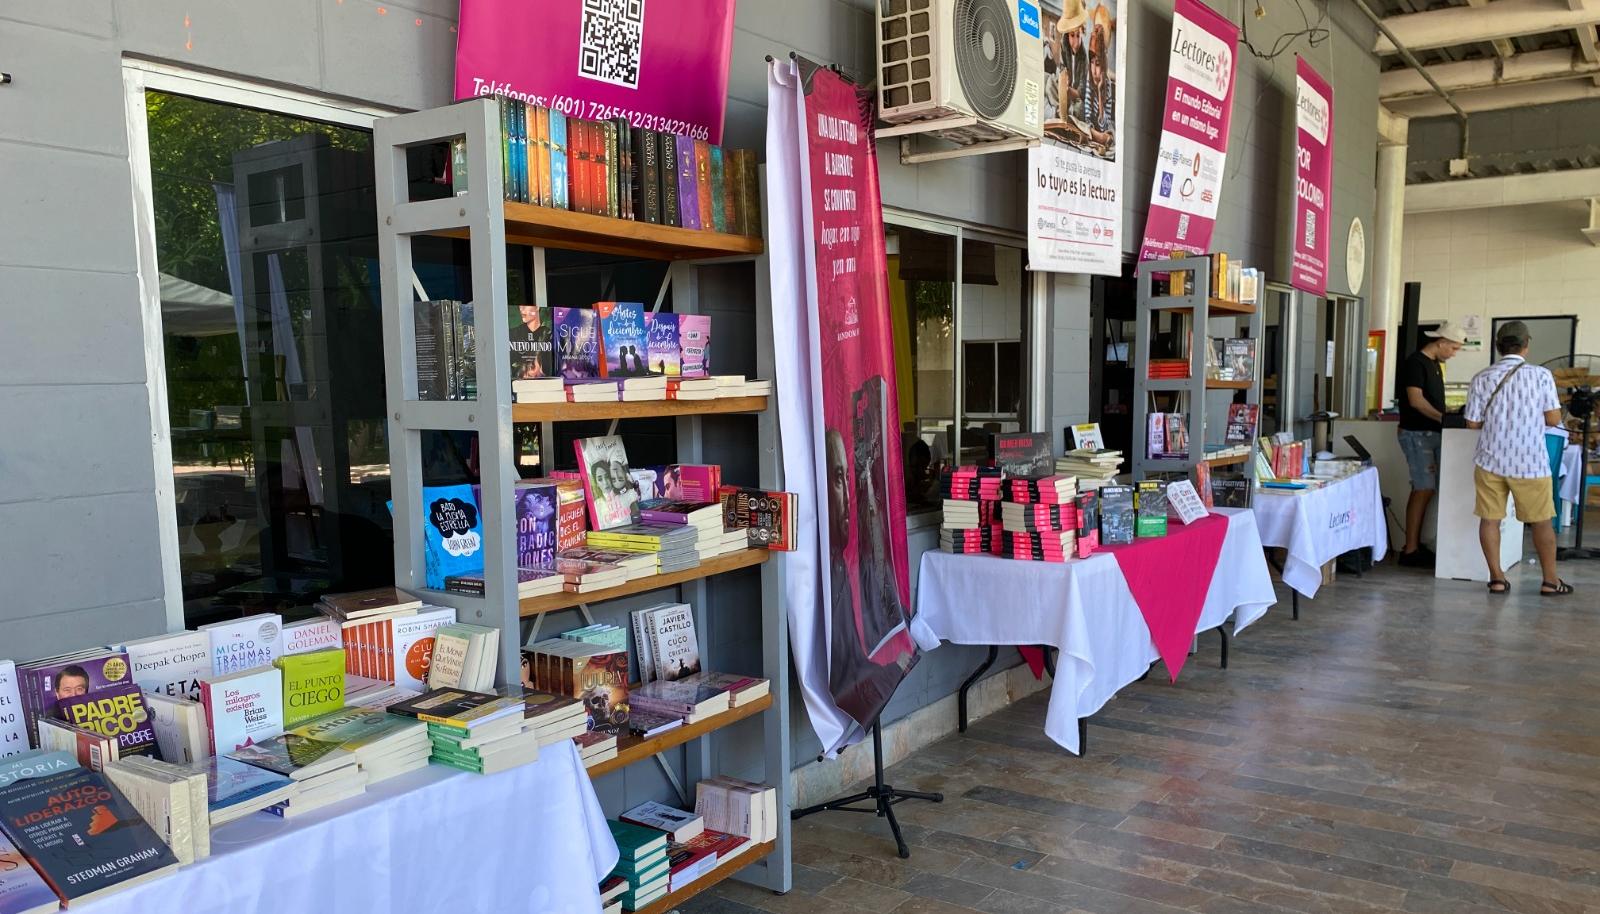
<point>1080,75</point>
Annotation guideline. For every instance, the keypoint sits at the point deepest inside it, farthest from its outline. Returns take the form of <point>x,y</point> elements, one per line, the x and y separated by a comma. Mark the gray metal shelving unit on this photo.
<point>480,215</point>
<point>1196,392</point>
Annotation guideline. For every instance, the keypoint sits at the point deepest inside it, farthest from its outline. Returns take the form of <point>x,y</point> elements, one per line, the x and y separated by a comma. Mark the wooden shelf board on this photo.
<point>635,409</point>
<point>722,871</point>
<point>748,558</point>
<point>1216,305</point>
<point>1233,460</point>
<point>546,227</point>
<point>1213,384</point>
<point>631,749</point>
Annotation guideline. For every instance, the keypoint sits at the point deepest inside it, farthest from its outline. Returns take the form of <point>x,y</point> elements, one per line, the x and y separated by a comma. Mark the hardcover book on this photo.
<point>694,338</point>
<point>577,165</point>
<point>719,191</point>
<point>696,482</point>
<point>623,339</point>
<point>625,166</point>
<point>118,713</point>
<point>313,684</point>
<point>82,836</point>
<point>306,636</point>
<point>243,709</point>
<point>558,161</point>
<point>543,118</point>
<point>536,524</point>
<point>605,161</point>
<point>662,355</point>
<point>452,533</point>
<point>532,343</point>
<point>613,498</point>
<point>13,727</point>
<point>750,197</point>
<point>244,644</point>
<point>577,343</point>
<point>667,178</point>
<point>733,166</point>
<point>170,665</point>
<point>769,517</point>
<point>688,190</point>
<point>702,183</point>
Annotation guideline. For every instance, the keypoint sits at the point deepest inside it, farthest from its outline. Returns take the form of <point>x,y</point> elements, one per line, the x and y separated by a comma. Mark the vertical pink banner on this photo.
<point>1194,133</point>
<point>662,64</point>
<point>1313,178</point>
<point>870,648</point>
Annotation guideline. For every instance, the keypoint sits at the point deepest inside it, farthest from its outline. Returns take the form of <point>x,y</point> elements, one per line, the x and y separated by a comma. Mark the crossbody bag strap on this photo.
<point>1490,405</point>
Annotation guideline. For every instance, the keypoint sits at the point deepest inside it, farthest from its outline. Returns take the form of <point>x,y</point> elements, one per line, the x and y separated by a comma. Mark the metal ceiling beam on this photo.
<point>1534,66</point>
<point>1509,190</point>
<point>1412,62</point>
<point>1458,25</point>
<point>1498,98</point>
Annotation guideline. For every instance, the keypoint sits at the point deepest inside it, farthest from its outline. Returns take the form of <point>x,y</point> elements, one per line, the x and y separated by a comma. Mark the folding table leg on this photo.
<point>1295,597</point>
<point>1083,736</point>
<point>961,696</point>
<point>1223,631</point>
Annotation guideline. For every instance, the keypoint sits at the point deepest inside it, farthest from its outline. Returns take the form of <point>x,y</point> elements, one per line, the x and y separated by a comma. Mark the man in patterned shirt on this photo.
<point>1513,403</point>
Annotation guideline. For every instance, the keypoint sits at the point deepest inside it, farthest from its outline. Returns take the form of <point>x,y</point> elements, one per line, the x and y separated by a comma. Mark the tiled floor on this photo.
<point>1408,745</point>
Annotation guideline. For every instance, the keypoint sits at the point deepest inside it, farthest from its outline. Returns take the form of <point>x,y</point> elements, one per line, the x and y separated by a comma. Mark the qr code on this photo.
<point>1183,226</point>
<point>1311,229</point>
<point>612,38</point>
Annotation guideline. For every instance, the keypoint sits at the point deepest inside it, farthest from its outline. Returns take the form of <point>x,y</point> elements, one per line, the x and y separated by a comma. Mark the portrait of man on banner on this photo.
<point>1080,79</point>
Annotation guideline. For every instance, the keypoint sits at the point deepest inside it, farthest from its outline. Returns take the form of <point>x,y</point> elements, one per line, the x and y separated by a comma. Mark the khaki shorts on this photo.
<point>1534,497</point>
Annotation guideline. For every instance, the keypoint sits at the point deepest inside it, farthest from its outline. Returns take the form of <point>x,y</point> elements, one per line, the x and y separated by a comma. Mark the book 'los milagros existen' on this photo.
<point>244,644</point>
<point>243,709</point>
<point>171,665</point>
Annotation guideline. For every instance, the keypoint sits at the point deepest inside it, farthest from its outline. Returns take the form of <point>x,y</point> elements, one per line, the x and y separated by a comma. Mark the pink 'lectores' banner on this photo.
<point>847,585</point>
<point>662,64</point>
<point>1313,178</point>
<point>1194,133</point>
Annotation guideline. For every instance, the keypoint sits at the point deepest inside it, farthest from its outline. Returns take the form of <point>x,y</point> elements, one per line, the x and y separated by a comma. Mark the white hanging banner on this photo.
<point>1075,175</point>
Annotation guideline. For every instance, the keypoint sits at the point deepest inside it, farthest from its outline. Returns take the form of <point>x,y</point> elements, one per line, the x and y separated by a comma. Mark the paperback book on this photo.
<point>662,353</point>
<point>243,709</point>
<point>170,665</point>
<point>532,346</point>
<point>117,713</point>
<point>613,498</point>
<point>452,533</point>
<point>13,728</point>
<point>623,339</point>
<point>244,644</point>
<point>536,524</point>
<point>46,682</point>
<point>313,685</point>
<point>694,338</point>
<point>305,636</point>
<point>577,343</point>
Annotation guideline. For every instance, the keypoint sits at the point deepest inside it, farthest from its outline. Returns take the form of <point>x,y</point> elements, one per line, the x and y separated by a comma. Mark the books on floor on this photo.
<point>80,834</point>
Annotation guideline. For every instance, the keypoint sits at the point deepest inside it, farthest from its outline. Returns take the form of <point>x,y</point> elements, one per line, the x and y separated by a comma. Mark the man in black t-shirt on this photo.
<point>1420,386</point>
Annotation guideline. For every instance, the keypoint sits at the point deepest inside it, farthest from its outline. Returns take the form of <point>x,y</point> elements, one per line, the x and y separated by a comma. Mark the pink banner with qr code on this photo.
<point>1313,177</point>
<point>1194,133</point>
<point>662,64</point>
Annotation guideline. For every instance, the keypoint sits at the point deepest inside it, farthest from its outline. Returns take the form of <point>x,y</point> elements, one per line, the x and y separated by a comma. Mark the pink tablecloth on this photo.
<point>1169,576</point>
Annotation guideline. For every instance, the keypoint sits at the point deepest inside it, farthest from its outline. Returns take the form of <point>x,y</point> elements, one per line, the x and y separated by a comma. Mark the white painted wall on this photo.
<point>1514,261</point>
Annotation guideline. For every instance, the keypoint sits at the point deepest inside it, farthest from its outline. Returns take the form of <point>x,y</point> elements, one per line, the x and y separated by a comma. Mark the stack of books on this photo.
<point>698,696</point>
<point>539,390</point>
<point>692,389</point>
<point>611,892</point>
<point>691,859</point>
<point>665,641</point>
<point>323,771</point>
<point>1094,467</point>
<point>596,746</point>
<point>634,565</point>
<point>737,385</point>
<point>1038,519</point>
<point>672,544</point>
<point>172,801</point>
<point>385,745</point>
<point>594,673</point>
<point>584,576</point>
<point>474,731</point>
<point>738,807</point>
<point>970,496</point>
<point>722,542</point>
<point>1169,369</point>
<point>594,390</point>
<point>552,717</point>
<point>464,657</point>
<point>644,387</point>
<point>642,862</point>
<point>235,790</point>
<point>770,519</point>
<point>369,605</point>
<point>531,582</point>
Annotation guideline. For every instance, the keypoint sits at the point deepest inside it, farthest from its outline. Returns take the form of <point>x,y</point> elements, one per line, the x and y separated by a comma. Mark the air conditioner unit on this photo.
<point>942,59</point>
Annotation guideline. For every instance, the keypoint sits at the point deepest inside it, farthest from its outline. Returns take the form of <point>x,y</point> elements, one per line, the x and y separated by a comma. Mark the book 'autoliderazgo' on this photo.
<point>82,836</point>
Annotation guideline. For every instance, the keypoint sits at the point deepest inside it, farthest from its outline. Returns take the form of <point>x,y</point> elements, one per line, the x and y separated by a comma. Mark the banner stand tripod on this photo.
<point>882,796</point>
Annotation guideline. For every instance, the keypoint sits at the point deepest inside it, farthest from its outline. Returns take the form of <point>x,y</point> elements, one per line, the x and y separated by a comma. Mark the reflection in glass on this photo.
<point>921,268</point>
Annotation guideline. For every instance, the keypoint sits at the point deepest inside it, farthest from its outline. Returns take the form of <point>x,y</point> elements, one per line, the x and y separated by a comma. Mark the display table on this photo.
<point>1084,608</point>
<point>1316,526</point>
<point>531,840</point>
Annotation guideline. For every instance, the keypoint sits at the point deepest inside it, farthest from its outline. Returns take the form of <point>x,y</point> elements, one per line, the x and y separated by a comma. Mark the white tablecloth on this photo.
<point>532,839</point>
<point>1083,608</point>
<point>1318,525</point>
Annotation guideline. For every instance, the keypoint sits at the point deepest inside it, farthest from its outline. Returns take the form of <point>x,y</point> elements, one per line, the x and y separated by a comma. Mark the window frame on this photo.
<point>138,76</point>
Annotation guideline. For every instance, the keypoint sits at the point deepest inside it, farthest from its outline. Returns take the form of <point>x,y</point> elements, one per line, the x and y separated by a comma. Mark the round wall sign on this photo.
<point>1355,255</point>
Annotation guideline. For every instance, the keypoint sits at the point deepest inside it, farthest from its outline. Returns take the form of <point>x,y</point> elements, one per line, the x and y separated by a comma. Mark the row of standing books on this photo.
<point>607,168</point>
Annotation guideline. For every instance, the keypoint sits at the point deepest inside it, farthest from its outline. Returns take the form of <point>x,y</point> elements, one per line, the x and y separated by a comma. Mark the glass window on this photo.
<point>266,249</point>
<point>993,314</point>
<point>922,301</point>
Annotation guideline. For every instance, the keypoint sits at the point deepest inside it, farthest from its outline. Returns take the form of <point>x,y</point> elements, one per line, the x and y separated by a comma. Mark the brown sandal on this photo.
<point>1558,588</point>
<point>1499,588</point>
